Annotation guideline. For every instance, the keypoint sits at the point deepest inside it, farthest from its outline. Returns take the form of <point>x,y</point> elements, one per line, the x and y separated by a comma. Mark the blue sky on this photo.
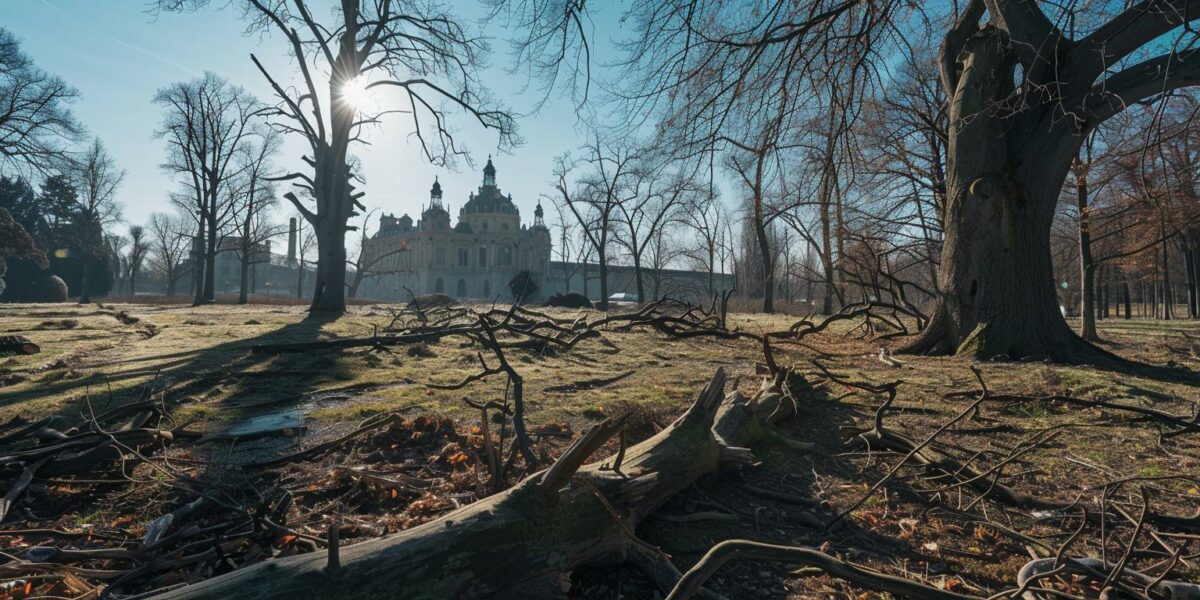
<point>118,56</point>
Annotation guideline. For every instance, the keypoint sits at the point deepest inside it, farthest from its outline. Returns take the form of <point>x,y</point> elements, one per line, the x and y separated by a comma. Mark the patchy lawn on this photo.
<point>199,363</point>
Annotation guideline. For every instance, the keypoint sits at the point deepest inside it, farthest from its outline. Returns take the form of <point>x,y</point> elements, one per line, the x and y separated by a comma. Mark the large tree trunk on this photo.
<point>637,275</point>
<point>197,253</point>
<point>827,259</point>
<point>768,267</point>
<point>996,289</point>
<point>244,282</point>
<point>329,293</point>
<point>603,305</point>
<point>528,539</point>
<point>1087,265</point>
<point>209,291</point>
<point>1128,302</point>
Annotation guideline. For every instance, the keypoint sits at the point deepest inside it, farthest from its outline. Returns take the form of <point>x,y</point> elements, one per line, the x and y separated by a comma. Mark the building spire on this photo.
<point>435,193</point>
<point>489,173</point>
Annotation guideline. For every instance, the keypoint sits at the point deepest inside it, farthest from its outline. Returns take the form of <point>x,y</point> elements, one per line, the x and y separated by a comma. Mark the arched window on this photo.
<point>485,225</point>
<point>438,287</point>
<point>505,256</point>
<point>462,288</point>
<point>482,257</point>
<point>487,288</point>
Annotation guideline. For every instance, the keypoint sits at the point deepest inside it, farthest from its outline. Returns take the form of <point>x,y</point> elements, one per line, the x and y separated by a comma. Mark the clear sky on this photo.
<point>118,56</point>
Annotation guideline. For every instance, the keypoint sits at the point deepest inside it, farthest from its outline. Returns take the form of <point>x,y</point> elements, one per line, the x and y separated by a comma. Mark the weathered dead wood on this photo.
<point>530,542</point>
<point>18,488</point>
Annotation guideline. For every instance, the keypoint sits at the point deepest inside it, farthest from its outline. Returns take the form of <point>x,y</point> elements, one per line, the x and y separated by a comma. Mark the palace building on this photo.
<point>474,258</point>
<point>477,257</point>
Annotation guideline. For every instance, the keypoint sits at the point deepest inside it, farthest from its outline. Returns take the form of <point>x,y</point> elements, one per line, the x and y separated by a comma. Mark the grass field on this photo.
<point>199,361</point>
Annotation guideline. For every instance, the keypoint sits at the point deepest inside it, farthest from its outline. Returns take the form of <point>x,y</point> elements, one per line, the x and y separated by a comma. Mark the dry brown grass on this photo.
<point>202,362</point>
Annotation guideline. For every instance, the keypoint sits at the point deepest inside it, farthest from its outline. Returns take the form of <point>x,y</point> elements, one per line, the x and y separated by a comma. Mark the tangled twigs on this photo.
<point>731,550</point>
<point>370,424</point>
<point>879,432</point>
<point>590,524</point>
<point>1152,587</point>
<point>517,383</point>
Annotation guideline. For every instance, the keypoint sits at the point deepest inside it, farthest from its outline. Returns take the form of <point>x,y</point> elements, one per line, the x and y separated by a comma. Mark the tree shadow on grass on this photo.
<point>191,378</point>
<point>758,498</point>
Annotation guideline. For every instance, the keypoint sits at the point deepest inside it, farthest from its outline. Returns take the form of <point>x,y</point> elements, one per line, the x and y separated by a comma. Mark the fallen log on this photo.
<point>529,538</point>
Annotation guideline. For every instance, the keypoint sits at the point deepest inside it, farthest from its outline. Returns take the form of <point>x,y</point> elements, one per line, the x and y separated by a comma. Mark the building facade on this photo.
<point>476,258</point>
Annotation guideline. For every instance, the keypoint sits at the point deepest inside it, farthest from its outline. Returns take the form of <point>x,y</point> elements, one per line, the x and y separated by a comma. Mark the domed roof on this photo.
<point>489,200</point>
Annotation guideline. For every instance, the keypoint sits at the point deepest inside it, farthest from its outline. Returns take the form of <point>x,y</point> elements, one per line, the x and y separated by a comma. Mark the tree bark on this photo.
<point>1087,264</point>
<point>209,291</point>
<point>603,305</point>
<point>1128,304</point>
<point>527,539</point>
<point>997,295</point>
<point>329,292</point>
<point>244,283</point>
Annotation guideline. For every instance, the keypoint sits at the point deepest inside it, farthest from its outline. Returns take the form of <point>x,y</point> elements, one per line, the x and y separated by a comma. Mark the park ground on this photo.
<point>198,361</point>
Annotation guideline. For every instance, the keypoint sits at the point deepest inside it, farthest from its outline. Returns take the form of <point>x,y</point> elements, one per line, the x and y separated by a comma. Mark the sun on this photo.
<point>358,95</point>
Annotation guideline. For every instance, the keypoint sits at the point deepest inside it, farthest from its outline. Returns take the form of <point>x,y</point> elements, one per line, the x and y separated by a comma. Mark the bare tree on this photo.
<point>1023,95</point>
<point>136,257</point>
<point>254,194</point>
<point>657,192</point>
<point>36,125</point>
<point>568,248</point>
<point>368,261</point>
<point>705,218</point>
<point>170,241</point>
<point>661,250</point>
<point>116,261</point>
<point>595,196</point>
<point>96,178</point>
<point>417,49</point>
<point>206,123</point>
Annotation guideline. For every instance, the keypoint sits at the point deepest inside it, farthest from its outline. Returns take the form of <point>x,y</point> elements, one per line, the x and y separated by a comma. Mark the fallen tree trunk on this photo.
<point>529,538</point>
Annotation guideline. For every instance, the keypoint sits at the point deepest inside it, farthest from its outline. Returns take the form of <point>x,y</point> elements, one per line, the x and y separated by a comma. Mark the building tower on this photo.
<point>436,217</point>
<point>435,193</point>
<point>291,247</point>
<point>489,174</point>
<point>538,221</point>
